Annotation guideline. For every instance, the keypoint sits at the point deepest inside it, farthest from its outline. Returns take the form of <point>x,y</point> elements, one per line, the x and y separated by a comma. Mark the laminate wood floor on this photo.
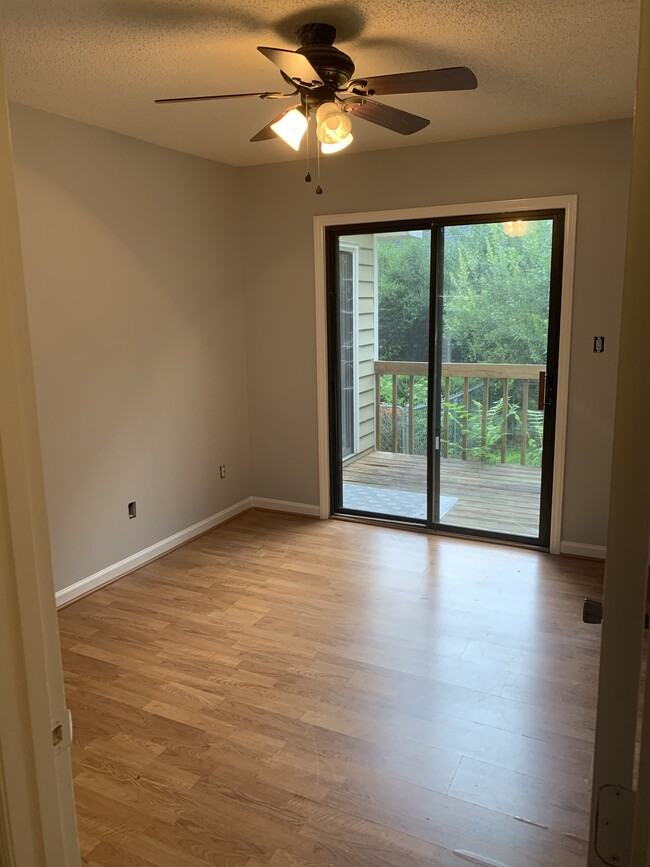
<point>285,691</point>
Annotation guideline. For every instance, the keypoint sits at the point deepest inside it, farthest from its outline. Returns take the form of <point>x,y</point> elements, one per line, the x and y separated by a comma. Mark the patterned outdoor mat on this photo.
<point>387,501</point>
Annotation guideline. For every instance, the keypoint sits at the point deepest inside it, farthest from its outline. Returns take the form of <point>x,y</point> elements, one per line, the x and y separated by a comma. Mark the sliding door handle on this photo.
<point>546,390</point>
<point>541,394</point>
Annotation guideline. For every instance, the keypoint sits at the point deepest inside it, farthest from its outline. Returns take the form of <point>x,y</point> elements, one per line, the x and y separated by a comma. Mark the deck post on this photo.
<point>484,409</point>
<point>504,423</point>
<point>394,425</point>
<point>378,411</point>
<point>524,421</point>
<point>411,414</point>
<point>445,419</point>
<point>466,419</point>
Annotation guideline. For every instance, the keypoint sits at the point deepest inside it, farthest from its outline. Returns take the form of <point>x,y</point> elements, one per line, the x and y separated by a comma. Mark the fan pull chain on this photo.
<point>307,176</point>
<point>319,189</point>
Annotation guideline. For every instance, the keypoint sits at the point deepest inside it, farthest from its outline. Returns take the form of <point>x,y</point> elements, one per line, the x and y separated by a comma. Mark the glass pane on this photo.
<point>496,284</point>
<point>383,350</point>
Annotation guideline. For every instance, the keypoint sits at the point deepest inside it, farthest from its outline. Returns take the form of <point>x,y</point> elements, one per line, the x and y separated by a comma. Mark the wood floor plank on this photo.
<point>565,808</point>
<point>285,692</point>
<point>443,820</point>
<point>108,854</point>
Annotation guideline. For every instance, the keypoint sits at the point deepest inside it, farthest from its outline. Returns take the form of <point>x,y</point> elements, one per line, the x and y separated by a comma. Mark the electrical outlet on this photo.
<point>132,511</point>
<point>222,471</point>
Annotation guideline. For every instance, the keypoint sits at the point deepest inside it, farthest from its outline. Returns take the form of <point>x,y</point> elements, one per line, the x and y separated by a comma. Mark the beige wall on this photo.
<point>133,270</point>
<point>592,161</point>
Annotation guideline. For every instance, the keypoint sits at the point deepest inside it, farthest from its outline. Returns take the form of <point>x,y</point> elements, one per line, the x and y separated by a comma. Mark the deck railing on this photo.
<point>459,381</point>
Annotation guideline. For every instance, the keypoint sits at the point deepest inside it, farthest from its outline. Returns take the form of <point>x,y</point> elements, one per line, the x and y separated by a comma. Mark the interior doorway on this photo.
<point>443,360</point>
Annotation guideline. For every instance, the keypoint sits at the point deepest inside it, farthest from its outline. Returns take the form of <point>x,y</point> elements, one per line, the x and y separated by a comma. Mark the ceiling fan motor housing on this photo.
<point>334,67</point>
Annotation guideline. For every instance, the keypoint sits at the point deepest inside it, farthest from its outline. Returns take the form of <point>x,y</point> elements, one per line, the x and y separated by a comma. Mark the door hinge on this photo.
<point>62,732</point>
<point>614,822</point>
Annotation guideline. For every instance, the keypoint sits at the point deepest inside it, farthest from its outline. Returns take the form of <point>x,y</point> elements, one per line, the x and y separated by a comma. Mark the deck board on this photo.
<point>500,498</point>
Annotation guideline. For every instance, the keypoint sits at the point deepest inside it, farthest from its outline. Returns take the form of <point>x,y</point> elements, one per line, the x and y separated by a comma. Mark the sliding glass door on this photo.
<point>381,375</point>
<point>443,342</point>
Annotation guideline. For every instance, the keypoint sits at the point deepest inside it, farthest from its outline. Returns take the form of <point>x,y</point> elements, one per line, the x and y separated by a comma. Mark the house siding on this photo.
<point>365,348</point>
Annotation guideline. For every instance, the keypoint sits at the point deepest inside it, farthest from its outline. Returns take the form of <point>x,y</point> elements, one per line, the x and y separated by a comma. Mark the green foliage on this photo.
<point>535,429</point>
<point>420,386</point>
<point>495,294</point>
<point>403,276</point>
<point>470,422</point>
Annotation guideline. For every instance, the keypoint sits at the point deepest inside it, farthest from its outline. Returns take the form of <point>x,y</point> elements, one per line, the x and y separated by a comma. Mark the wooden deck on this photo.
<point>501,498</point>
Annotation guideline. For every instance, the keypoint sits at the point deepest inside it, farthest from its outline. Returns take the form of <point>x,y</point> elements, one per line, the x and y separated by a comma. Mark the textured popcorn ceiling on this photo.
<point>539,64</point>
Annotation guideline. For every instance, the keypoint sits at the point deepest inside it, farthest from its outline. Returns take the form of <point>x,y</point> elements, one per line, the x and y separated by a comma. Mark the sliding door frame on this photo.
<point>557,216</point>
<point>334,383</point>
<point>429,216</point>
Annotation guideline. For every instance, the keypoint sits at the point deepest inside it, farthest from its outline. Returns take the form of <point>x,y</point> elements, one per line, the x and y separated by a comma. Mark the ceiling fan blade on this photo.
<point>224,96</point>
<point>425,81</point>
<point>266,132</point>
<point>295,65</point>
<point>391,118</point>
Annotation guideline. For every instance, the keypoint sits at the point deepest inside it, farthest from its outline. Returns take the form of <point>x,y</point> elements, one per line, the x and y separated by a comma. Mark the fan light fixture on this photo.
<point>339,146</point>
<point>515,228</point>
<point>333,125</point>
<point>291,127</point>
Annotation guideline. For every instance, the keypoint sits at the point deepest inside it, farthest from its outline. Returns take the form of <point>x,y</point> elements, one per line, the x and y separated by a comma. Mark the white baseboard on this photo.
<point>285,506</point>
<point>580,549</point>
<point>140,558</point>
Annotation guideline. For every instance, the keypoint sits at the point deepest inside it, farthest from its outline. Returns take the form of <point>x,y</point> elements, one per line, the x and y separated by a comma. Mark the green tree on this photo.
<point>495,294</point>
<point>403,280</point>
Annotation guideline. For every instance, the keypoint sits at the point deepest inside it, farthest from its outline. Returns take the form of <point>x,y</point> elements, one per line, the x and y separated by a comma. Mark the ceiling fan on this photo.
<point>322,77</point>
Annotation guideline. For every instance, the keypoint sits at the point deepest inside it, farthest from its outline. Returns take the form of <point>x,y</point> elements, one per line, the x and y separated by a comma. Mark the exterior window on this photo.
<point>346,326</point>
